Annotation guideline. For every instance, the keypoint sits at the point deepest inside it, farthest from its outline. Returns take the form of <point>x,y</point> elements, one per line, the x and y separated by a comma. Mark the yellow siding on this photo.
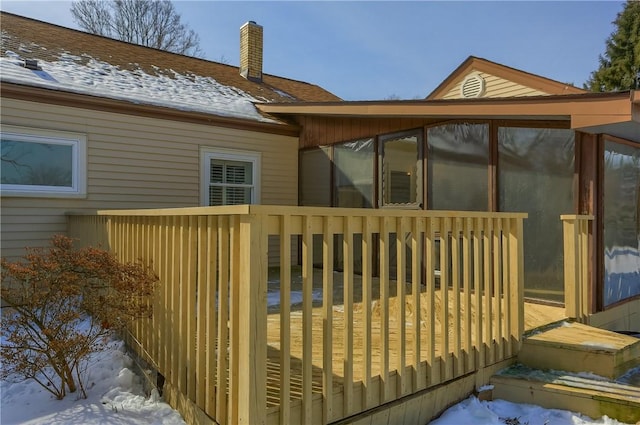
<point>135,162</point>
<point>496,87</point>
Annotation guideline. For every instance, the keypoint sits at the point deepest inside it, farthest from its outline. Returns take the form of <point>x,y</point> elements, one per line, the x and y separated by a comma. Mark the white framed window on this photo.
<point>42,163</point>
<point>229,177</point>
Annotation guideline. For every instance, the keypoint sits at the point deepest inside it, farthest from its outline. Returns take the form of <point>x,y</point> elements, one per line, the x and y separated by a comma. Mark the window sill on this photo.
<point>55,195</point>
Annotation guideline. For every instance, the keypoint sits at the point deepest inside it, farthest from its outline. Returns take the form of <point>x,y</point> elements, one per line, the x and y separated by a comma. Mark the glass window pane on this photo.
<point>237,195</point>
<point>232,172</point>
<point>238,172</point>
<point>36,164</point>
<point>536,170</point>
<point>217,171</point>
<point>215,196</point>
<point>353,177</point>
<point>458,164</point>
<point>401,177</point>
<point>315,177</point>
<point>621,222</point>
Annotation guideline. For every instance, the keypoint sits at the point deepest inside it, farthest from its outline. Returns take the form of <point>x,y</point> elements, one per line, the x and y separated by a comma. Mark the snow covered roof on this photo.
<point>76,62</point>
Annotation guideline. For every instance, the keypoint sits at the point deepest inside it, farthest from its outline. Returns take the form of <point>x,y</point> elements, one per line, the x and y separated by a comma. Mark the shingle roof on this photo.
<point>84,63</point>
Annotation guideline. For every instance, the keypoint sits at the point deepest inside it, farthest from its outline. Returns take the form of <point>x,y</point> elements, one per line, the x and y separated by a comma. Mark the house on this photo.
<point>134,127</point>
<point>499,186</point>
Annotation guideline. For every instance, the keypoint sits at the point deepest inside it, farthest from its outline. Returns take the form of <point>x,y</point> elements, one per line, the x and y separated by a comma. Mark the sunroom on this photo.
<point>547,156</point>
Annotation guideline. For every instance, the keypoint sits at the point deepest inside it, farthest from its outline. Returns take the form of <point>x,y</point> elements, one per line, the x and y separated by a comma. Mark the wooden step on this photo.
<point>575,392</point>
<point>575,347</point>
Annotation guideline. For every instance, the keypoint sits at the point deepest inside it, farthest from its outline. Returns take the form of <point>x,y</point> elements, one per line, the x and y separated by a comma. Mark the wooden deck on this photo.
<point>536,315</point>
<point>338,344</point>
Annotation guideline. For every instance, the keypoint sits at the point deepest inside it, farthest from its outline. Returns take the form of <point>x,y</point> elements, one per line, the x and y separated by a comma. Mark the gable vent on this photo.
<point>472,86</point>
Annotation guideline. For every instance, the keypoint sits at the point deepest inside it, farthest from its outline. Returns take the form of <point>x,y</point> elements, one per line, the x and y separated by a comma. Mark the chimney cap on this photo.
<point>253,23</point>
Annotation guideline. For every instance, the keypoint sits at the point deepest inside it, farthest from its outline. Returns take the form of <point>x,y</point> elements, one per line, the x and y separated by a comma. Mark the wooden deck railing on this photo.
<point>576,265</point>
<point>437,295</point>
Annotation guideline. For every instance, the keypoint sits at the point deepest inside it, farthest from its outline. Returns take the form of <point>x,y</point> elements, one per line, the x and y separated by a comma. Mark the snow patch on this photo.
<point>273,297</point>
<point>499,412</point>
<point>598,344</point>
<point>89,76</point>
<point>114,396</point>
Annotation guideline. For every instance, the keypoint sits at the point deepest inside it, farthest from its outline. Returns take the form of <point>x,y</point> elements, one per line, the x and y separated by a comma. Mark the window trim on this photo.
<point>77,141</point>
<point>208,153</point>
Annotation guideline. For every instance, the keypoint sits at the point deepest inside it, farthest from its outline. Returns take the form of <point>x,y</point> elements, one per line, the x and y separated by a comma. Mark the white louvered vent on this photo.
<point>472,86</point>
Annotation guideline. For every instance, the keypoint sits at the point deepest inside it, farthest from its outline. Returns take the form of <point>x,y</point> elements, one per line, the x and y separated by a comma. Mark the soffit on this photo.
<point>588,110</point>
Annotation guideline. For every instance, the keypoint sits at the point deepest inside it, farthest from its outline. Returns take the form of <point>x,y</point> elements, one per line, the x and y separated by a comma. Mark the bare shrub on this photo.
<point>63,303</point>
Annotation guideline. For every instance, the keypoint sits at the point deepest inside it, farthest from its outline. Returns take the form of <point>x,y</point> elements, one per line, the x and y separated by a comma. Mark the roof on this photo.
<point>536,84</point>
<point>84,64</point>
<point>617,114</point>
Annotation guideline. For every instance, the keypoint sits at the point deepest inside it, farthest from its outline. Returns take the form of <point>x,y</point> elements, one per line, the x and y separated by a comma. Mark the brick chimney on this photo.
<point>251,51</point>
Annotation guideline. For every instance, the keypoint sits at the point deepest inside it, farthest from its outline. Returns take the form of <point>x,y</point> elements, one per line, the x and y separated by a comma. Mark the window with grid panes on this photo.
<point>230,178</point>
<point>231,182</point>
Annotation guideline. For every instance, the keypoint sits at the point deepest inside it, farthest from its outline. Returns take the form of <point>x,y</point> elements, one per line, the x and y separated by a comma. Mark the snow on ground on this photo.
<point>273,297</point>
<point>116,397</point>
<point>500,412</point>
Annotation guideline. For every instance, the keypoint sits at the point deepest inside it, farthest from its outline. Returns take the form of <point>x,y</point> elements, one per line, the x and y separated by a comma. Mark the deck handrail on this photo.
<point>296,210</point>
<point>214,353</point>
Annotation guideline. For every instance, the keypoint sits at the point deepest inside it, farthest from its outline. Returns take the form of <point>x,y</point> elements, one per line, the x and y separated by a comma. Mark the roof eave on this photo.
<point>623,125</point>
<point>77,100</point>
<point>606,107</point>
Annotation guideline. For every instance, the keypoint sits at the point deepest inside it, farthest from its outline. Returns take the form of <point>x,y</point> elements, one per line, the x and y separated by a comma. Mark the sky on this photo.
<point>373,50</point>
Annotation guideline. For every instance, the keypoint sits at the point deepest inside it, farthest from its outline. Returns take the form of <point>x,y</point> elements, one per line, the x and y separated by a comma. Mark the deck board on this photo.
<point>535,315</point>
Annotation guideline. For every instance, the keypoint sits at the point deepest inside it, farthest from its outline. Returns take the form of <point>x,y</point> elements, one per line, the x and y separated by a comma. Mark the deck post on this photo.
<point>571,288</point>
<point>516,268</point>
<point>576,262</point>
<point>252,309</point>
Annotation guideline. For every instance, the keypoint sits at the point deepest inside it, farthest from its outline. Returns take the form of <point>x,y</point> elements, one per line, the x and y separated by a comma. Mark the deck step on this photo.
<point>575,347</point>
<point>588,394</point>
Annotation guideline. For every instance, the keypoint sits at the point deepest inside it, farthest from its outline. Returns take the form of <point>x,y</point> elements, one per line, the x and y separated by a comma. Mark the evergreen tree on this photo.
<point>620,65</point>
